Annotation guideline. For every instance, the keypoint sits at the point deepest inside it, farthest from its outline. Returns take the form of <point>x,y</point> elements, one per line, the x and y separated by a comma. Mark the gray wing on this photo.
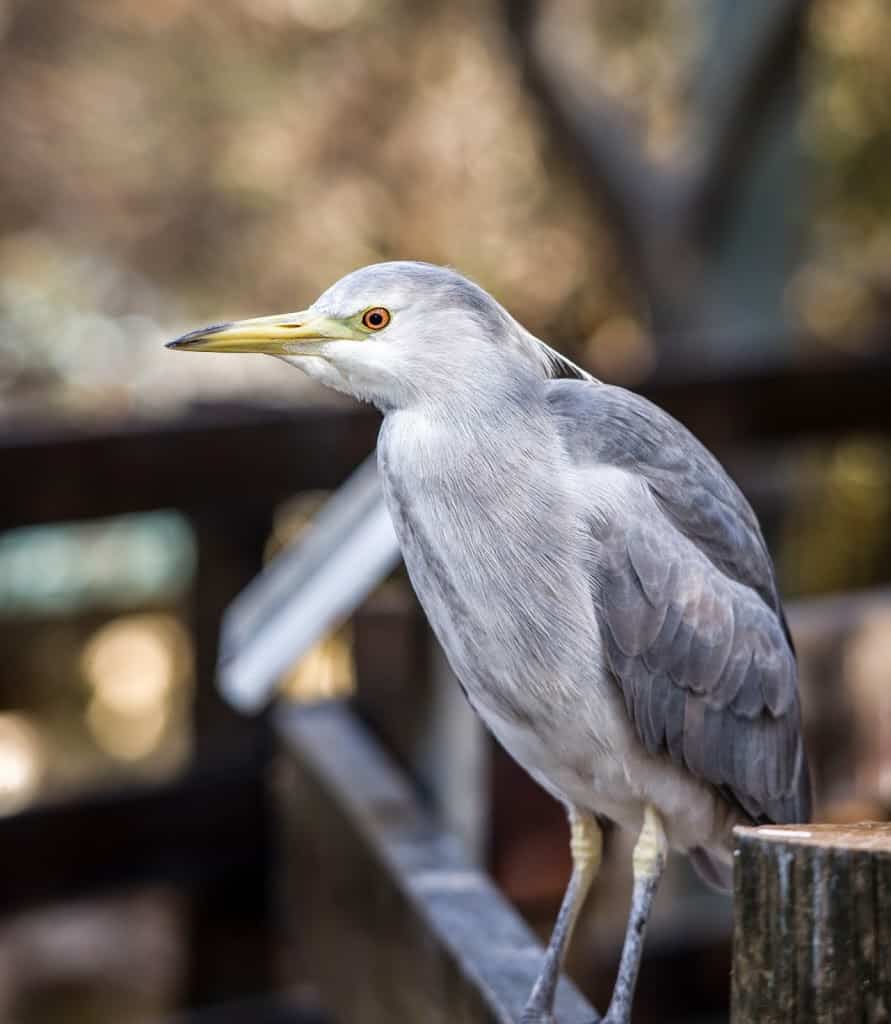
<point>692,624</point>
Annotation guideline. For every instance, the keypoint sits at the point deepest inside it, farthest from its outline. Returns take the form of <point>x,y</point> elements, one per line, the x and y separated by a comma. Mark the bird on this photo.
<point>600,586</point>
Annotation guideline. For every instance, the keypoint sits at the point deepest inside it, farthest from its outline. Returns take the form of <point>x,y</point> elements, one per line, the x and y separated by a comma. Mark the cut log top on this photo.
<point>812,929</point>
<point>867,836</point>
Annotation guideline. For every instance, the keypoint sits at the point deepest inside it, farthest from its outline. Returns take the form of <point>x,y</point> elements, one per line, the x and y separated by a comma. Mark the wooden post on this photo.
<point>230,953</point>
<point>812,932</point>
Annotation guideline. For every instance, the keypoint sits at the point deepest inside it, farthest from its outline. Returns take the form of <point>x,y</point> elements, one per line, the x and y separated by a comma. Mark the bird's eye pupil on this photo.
<point>376,318</point>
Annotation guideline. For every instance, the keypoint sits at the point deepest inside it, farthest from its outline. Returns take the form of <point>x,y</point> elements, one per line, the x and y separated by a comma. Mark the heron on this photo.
<point>600,586</point>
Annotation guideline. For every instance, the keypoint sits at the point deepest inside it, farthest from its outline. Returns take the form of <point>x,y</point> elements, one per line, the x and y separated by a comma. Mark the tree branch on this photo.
<point>597,134</point>
<point>666,221</point>
<point>736,112</point>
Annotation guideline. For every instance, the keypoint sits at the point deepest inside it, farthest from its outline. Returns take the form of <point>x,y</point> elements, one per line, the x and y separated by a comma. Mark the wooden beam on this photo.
<point>260,1010</point>
<point>212,453</point>
<point>215,452</point>
<point>812,924</point>
<point>776,402</point>
<point>191,830</point>
<point>394,923</point>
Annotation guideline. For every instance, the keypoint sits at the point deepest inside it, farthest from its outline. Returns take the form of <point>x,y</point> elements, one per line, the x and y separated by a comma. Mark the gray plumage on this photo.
<point>600,586</point>
<point>695,633</point>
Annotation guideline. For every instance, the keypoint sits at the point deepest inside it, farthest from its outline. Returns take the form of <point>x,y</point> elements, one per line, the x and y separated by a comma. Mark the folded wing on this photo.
<point>691,621</point>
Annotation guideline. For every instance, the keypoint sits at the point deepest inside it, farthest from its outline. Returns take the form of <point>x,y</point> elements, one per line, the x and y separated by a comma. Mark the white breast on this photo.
<point>499,556</point>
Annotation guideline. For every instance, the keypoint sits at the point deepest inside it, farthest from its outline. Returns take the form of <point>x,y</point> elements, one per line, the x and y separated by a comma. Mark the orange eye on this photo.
<point>376,319</point>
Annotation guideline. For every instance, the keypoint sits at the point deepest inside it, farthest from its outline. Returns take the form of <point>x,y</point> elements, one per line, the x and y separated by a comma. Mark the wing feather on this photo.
<point>693,629</point>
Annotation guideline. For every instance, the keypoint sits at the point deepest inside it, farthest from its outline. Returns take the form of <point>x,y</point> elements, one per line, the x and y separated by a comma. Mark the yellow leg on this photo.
<point>651,846</point>
<point>586,846</point>
<point>650,853</point>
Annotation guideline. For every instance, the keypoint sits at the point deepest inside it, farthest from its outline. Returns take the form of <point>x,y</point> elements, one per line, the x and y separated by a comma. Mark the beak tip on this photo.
<point>185,340</point>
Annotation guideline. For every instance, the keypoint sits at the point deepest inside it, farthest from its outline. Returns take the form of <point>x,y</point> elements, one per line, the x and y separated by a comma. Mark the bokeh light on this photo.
<point>103,563</point>
<point>325,672</point>
<point>21,761</point>
<point>868,669</point>
<point>134,666</point>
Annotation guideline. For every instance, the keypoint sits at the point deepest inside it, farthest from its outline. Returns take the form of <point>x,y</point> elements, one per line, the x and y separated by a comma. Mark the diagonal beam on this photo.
<point>396,923</point>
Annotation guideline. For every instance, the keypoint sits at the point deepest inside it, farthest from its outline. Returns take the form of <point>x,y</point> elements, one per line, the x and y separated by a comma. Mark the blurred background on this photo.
<point>689,197</point>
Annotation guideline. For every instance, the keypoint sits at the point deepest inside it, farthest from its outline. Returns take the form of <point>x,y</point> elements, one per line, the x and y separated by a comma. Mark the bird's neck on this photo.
<point>452,439</point>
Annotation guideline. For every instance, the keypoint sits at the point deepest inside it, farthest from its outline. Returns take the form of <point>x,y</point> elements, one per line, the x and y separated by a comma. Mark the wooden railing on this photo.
<point>393,921</point>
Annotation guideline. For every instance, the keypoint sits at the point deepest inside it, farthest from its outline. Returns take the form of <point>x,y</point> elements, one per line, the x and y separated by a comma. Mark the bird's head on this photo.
<point>392,334</point>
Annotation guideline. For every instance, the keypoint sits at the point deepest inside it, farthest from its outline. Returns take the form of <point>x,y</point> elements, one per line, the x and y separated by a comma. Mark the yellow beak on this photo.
<point>303,333</point>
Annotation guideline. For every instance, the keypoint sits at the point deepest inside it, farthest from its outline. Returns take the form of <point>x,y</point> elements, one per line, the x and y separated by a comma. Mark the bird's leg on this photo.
<point>586,843</point>
<point>650,853</point>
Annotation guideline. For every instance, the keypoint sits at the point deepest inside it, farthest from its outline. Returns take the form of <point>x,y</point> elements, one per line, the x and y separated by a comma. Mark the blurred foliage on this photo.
<point>836,535</point>
<point>844,290</point>
<point>214,160</point>
<point>174,162</point>
<point>642,55</point>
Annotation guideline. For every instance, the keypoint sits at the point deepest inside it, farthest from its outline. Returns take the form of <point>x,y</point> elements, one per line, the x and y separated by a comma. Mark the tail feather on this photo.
<point>711,869</point>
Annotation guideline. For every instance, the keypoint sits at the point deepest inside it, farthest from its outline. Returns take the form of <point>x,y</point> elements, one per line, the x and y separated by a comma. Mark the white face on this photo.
<point>394,334</point>
<point>426,332</point>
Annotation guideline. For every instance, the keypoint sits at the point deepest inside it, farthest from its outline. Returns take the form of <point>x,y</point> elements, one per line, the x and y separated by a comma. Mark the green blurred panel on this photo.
<point>122,562</point>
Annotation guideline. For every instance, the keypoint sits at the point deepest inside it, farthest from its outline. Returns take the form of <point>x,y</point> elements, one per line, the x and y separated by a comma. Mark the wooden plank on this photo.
<point>812,906</point>
<point>349,547</point>
<point>230,547</point>
<point>65,470</point>
<point>268,1010</point>
<point>395,924</point>
<point>199,827</point>
<point>209,454</point>
<point>229,942</point>
<point>765,404</point>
